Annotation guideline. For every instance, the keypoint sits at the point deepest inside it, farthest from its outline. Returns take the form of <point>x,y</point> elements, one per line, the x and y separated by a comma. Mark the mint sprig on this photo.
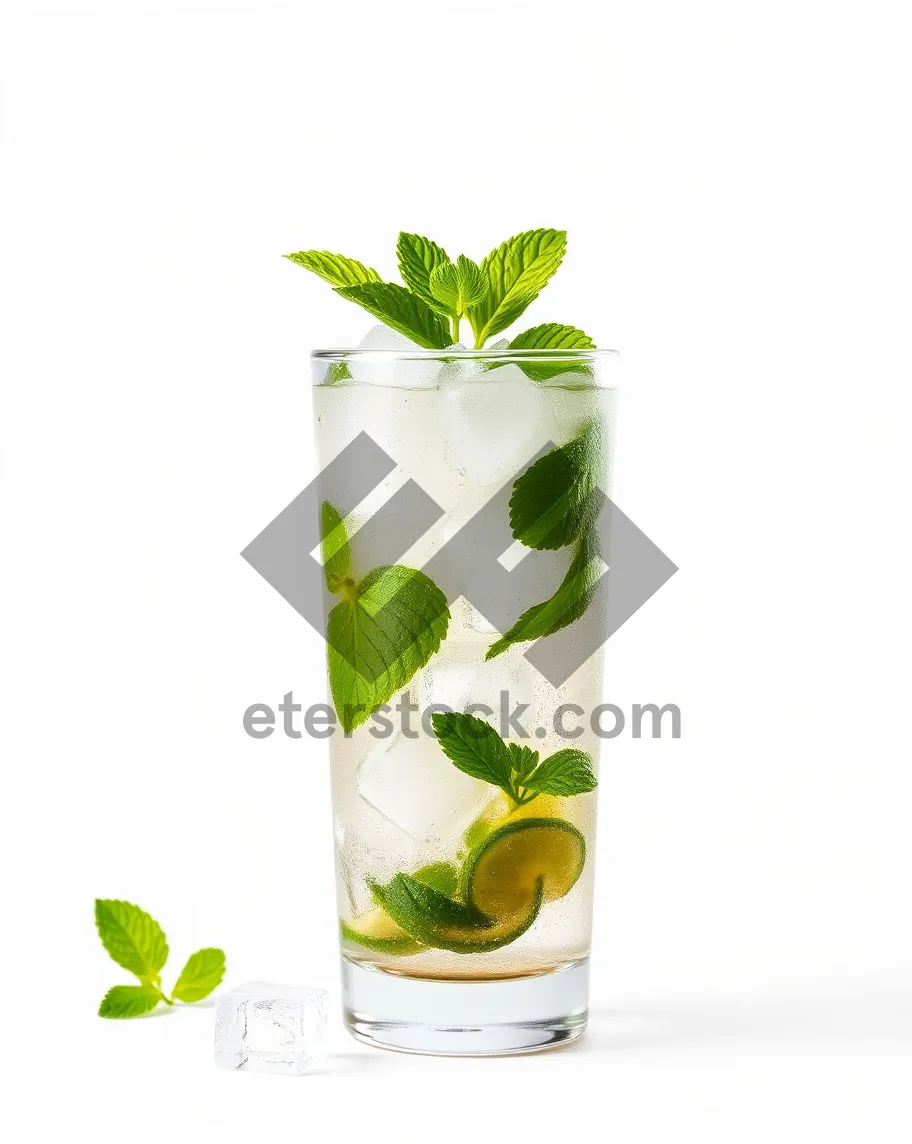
<point>136,941</point>
<point>439,292</point>
<point>474,747</point>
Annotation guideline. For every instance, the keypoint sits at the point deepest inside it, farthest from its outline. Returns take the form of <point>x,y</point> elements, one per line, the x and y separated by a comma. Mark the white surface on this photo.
<point>735,182</point>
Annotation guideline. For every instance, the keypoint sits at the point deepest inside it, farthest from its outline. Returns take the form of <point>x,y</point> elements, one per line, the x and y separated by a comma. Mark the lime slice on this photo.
<point>433,919</point>
<point>499,812</point>
<point>376,930</point>
<point>508,867</point>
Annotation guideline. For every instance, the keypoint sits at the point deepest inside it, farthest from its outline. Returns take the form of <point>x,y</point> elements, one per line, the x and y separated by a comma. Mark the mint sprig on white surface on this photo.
<point>439,292</point>
<point>136,941</point>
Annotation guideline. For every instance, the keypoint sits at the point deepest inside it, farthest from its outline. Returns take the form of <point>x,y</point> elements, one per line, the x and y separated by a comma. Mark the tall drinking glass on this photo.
<point>460,500</point>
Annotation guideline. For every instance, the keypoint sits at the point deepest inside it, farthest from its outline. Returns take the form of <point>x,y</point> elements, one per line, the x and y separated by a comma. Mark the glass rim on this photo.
<point>503,356</point>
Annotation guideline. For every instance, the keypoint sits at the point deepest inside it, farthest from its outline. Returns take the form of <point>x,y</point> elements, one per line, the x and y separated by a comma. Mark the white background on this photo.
<point>735,181</point>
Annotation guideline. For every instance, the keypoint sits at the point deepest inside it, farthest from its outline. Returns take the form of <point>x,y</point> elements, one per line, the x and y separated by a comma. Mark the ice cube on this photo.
<point>493,424</point>
<point>385,369</point>
<point>459,369</point>
<point>261,1027</point>
<point>369,848</point>
<point>412,783</point>
<point>462,677</point>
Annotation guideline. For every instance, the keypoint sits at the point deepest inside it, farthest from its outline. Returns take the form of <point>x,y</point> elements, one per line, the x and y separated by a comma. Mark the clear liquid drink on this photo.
<point>465,906</point>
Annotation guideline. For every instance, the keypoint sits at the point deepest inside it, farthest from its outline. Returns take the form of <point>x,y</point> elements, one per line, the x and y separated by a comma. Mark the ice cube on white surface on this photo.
<point>384,369</point>
<point>261,1027</point>
<point>494,424</point>
<point>412,783</point>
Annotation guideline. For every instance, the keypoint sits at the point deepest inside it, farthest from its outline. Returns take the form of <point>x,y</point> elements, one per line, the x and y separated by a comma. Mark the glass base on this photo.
<point>465,1018</point>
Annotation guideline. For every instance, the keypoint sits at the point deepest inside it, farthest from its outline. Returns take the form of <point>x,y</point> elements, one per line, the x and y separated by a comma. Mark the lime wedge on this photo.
<point>433,919</point>
<point>525,855</point>
<point>376,930</point>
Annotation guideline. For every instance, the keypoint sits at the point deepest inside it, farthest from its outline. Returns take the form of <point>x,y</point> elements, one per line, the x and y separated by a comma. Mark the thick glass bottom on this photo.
<point>465,1018</point>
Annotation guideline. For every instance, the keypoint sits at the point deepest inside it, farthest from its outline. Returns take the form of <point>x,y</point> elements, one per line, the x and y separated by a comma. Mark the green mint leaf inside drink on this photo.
<point>335,547</point>
<point>565,607</point>
<point>566,772</point>
<point>474,747</point>
<point>556,501</point>
<point>387,628</point>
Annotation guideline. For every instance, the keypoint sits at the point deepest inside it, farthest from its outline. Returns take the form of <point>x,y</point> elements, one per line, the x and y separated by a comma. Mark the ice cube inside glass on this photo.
<point>263,1027</point>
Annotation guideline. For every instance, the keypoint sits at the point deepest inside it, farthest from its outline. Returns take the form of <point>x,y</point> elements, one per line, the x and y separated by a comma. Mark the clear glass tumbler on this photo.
<point>461,494</point>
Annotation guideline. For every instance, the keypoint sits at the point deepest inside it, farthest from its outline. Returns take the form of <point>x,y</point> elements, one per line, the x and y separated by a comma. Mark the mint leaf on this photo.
<point>133,939</point>
<point>474,747</point>
<point>418,257</point>
<point>202,973</point>
<point>420,909</point>
<point>523,760</point>
<point>440,876</point>
<point>552,336</point>
<point>515,272</point>
<point>334,546</point>
<point>379,638</point>
<point>456,287</point>
<point>335,269</point>
<point>435,920</point>
<point>129,1001</point>
<point>566,772</point>
<point>558,498</point>
<point>338,371</point>
<point>444,288</point>
<point>567,604</point>
<point>402,311</point>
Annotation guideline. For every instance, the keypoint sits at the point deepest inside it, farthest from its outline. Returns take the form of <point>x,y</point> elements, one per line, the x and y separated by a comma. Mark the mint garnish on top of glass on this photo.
<point>440,293</point>
<point>374,650</point>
